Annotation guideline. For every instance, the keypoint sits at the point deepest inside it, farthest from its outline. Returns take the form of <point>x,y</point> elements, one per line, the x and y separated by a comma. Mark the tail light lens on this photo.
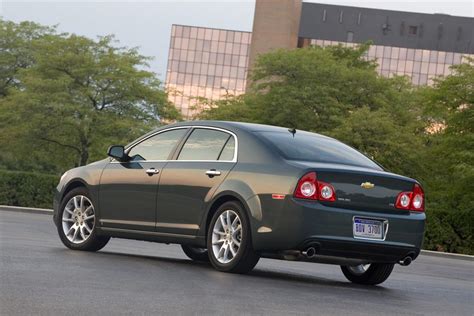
<point>310,188</point>
<point>418,201</point>
<point>307,187</point>
<point>404,200</point>
<point>414,200</point>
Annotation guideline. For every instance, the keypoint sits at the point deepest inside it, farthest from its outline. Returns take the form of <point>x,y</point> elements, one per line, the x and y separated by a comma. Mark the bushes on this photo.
<point>450,231</point>
<point>27,189</point>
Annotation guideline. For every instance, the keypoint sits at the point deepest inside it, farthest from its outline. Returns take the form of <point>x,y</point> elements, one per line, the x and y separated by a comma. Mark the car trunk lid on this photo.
<point>361,188</point>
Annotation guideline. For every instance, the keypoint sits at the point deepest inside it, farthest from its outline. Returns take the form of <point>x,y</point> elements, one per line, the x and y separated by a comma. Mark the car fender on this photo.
<point>244,192</point>
<point>88,177</point>
<point>240,191</point>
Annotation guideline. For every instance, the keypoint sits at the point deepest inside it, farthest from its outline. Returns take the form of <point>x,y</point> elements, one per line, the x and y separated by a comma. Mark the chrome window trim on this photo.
<point>151,135</point>
<point>236,149</point>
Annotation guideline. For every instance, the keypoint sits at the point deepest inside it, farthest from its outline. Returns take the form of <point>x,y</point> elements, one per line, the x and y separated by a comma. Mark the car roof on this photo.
<point>240,126</point>
<point>250,127</point>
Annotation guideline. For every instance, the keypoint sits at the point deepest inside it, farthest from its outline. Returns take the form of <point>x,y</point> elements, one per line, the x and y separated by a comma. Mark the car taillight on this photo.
<point>413,201</point>
<point>418,201</point>
<point>310,188</point>
<point>307,187</point>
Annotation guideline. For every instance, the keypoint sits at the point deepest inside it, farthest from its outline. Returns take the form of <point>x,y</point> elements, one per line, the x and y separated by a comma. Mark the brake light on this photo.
<point>414,200</point>
<point>307,187</point>
<point>404,200</point>
<point>310,188</point>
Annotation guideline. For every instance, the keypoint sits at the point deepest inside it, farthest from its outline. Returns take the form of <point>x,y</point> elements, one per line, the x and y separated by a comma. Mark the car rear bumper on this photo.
<point>296,224</point>
<point>365,250</point>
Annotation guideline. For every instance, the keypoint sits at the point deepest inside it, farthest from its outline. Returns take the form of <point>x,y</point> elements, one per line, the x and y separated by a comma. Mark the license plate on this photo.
<point>367,228</point>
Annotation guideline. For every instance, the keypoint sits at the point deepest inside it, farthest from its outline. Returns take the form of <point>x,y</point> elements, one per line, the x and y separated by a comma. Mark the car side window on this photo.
<point>204,144</point>
<point>228,151</point>
<point>157,147</point>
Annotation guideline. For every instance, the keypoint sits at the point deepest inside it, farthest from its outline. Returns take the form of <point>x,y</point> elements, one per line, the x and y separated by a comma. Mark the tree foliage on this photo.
<point>449,104</point>
<point>334,91</point>
<point>75,97</point>
<point>15,50</point>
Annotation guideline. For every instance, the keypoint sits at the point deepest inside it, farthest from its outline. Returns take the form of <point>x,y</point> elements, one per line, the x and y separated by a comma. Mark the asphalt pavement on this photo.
<point>39,276</point>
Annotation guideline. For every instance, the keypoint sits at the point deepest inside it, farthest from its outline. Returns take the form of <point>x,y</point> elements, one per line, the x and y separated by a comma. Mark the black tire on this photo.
<point>195,253</point>
<point>245,258</point>
<point>375,274</point>
<point>93,242</point>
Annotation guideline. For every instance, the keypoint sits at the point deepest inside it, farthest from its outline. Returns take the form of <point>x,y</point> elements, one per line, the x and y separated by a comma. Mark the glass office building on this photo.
<point>421,65</point>
<point>212,63</point>
<point>205,63</point>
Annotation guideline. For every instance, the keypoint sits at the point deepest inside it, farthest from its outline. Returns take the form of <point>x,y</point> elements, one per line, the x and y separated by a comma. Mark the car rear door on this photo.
<point>128,190</point>
<point>202,164</point>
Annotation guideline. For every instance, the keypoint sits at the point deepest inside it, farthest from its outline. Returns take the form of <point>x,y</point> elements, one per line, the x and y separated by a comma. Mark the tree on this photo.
<point>449,104</point>
<point>15,50</point>
<point>337,92</point>
<point>78,97</point>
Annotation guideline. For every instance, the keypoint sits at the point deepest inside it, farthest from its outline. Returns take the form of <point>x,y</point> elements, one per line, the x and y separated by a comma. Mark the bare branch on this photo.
<point>60,144</point>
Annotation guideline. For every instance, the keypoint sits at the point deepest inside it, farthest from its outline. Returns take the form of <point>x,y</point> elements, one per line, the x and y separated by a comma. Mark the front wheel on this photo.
<point>229,240</point>
<point>368,274</point>
<point>77,222</point>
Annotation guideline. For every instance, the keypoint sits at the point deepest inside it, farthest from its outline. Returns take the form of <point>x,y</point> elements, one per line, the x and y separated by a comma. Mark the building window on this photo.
<point>324,15</point>
<point>350,37</point>
<point>412,30</point>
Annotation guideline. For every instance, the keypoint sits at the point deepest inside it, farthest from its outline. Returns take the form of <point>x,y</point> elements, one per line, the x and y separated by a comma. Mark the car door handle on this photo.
<point>152,171</point>
<point>213,172</point>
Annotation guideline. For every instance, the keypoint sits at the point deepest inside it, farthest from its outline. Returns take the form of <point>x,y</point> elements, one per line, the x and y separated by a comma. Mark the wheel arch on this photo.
<point>217,201</point>
<point>73,184</point>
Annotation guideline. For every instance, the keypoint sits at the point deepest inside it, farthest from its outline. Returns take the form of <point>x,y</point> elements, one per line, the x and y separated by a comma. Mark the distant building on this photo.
<point>212,63</point>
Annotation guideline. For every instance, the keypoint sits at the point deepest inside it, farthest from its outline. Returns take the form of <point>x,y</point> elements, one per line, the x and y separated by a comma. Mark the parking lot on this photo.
<point>39,275</point>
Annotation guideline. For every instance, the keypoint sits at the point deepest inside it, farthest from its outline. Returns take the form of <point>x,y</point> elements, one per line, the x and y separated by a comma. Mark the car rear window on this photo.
<point>306,146</point>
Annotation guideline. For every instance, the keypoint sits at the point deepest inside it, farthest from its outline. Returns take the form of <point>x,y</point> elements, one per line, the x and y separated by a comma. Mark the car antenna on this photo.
<point>292,131</point>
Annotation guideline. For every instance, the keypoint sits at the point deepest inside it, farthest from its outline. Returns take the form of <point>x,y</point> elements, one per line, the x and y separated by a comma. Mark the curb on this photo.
<point>447,255</point>
<point>26,209</point>
<point>50,212</point>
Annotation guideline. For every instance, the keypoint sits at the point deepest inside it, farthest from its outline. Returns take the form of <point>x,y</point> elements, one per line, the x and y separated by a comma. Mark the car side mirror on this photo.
<point>118,152</point>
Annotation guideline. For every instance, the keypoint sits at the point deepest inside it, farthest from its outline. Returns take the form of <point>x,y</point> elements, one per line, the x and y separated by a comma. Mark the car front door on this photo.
<point>204,161</point>
<point>127,193</point>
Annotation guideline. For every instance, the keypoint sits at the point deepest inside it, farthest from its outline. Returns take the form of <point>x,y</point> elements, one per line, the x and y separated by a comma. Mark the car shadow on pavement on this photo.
<point>256,273</point>
<point>311,279</point>
<point>180,261</point>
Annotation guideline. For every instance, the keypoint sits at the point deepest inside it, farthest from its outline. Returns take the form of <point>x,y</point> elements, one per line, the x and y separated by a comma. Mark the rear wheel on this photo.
<point>77,222</point>
<point>229,240</point>
<point>195,253</point>
<point>369,274</point>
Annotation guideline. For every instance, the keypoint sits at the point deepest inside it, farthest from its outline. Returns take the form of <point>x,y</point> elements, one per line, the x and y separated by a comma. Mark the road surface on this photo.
<point>39,276</point>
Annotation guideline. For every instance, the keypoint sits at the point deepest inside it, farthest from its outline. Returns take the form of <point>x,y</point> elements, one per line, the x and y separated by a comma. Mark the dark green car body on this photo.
<point>175,204</point>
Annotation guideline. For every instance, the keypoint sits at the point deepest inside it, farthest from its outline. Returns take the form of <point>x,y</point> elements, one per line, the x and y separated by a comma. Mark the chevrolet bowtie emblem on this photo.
<point>367,185</point>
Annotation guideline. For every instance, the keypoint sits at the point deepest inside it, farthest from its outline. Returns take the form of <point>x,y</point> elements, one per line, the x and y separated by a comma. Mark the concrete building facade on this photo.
<point>213,63</point>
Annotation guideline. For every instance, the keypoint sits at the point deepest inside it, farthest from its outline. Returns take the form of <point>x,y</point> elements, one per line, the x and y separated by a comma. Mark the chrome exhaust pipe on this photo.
<point>405,261</point>
<point>310,252</point>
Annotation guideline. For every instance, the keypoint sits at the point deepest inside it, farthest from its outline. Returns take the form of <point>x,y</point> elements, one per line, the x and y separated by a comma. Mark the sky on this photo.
<point>147,23</point>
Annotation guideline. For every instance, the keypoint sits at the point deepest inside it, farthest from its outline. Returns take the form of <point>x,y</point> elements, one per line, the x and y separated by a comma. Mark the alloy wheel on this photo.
<point>78,219</point>
<point>226,236</point>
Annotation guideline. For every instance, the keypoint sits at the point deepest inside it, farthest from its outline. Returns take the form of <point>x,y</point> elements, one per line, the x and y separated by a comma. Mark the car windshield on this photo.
<point>307,146</point>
